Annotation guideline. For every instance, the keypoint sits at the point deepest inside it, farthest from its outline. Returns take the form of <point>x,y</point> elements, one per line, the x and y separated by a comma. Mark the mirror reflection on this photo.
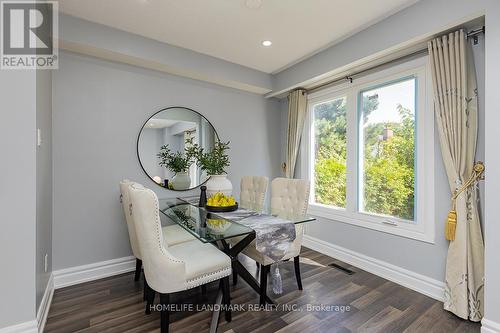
<point>163,147</point>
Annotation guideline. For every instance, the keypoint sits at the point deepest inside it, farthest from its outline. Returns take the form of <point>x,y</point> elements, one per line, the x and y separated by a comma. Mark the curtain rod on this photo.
<point>352,76</point>
<point>471,34</point>
<point>474,33</point>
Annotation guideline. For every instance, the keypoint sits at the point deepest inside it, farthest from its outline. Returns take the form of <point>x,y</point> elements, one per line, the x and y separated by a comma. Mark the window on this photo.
<point>387,149</point>
<point>330,152</point>
<point>368,150</point>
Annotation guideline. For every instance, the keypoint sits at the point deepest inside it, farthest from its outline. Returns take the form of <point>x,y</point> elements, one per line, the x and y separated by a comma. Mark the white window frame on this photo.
<point>423,227</point>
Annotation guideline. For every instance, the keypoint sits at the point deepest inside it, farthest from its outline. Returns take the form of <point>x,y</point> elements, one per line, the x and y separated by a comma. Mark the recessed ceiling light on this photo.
<point>267,43</point>
<point>253,4</point>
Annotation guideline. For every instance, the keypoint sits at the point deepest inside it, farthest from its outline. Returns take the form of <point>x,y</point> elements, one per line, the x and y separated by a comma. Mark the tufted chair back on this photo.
<point>253,192</point>
<point>126,203</point>
<point>289,197</point>
<point>289,200</point>
<point>164,272</point>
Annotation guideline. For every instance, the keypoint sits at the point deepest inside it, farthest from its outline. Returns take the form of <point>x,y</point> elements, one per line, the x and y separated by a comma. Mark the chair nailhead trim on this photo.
<point>197,280</point>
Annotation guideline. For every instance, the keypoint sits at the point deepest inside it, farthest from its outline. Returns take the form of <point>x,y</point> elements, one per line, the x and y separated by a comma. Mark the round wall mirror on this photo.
<point>163,147</point>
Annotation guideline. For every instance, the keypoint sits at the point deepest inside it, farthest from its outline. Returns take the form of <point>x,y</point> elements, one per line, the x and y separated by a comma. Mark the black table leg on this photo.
<point>245,275</point>
<point>263,284</point>
<point>239,268</point>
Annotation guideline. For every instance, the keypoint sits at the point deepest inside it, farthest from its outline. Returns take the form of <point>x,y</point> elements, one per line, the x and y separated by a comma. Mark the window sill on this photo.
<point>397,228</point>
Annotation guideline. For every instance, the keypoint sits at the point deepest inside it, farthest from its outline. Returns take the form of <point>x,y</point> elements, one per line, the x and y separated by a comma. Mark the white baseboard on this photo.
<point>489,326</point>
<point>85,273</point>
<point>35,326</point>
<point>415,281</point>
<point>43,310</point>
<point>26,327</point>
<point>68,277</point>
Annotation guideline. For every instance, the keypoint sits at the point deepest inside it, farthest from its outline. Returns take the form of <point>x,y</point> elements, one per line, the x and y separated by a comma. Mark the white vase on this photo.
<point>219,183</point>
<point>181,181</point>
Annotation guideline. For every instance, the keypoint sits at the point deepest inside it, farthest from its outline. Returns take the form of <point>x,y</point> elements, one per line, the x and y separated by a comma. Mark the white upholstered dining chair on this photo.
<point>169,269</point>
<point>173,234</point>
<point>253,192</point>
<point>289,200</point>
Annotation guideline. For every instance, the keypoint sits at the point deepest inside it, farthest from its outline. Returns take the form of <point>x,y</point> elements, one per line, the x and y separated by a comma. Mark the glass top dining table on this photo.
<point>216,228</point>
<point>207,226</point>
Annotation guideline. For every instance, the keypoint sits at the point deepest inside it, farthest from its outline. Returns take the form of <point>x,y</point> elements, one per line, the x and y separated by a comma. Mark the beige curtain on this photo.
<point>455,101</point>
<point>297,110</point>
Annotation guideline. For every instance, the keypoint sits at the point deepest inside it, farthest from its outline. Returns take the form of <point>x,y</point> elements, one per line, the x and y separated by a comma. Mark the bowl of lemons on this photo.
<point>220,203</point>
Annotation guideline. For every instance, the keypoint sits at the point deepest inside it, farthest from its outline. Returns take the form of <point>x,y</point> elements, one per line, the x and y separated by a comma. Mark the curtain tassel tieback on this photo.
<point>451,222</point>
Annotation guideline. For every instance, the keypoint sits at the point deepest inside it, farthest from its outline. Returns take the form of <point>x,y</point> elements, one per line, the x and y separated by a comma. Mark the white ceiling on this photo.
<point>230,30</point>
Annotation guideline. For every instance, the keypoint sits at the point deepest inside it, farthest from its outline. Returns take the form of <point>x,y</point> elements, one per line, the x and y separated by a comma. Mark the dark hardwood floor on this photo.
<point>375,305</point>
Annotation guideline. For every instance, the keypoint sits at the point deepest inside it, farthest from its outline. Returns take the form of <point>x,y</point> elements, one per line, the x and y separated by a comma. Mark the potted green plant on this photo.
<point>179,164</point>
<point>214,163</point>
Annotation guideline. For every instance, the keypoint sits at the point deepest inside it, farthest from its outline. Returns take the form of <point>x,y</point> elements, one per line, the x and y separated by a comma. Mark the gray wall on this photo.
<point>492,162</point>
<point>43,182</point>
<point>17,196</point>
<point>423,258</point>
<point>98,110</point>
